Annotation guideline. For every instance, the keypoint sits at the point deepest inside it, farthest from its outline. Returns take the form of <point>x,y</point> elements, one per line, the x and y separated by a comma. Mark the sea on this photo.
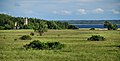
<point>91,25</point>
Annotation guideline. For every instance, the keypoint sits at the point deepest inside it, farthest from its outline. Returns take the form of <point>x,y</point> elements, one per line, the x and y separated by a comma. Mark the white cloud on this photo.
<point>62,12</point>
<point>65,12</point>
<point>115,11</point>
<point>98,10</point>
<point>82,11</point>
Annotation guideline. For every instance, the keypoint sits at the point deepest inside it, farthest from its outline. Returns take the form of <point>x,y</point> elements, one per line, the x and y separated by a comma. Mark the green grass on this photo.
<point>77,48</point>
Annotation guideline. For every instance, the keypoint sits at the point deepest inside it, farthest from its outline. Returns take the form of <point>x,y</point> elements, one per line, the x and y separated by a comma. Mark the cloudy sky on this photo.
<point>63,9</point>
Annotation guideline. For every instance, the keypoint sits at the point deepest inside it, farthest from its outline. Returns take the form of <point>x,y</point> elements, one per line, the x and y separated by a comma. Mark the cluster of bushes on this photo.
<point>36,44</point>
<point>25,37</point>
<point>96,38</point>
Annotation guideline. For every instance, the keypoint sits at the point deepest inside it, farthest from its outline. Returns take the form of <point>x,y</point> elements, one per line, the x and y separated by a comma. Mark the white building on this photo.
<point>15,23</point>
<point>16,26</point>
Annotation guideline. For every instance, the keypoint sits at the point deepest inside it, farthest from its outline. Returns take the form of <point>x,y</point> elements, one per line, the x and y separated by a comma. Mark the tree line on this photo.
<point>8,22</point>
<point>91,21</point>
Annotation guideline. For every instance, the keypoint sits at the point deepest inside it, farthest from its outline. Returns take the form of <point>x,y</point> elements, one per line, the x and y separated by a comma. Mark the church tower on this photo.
<point>26,21</point>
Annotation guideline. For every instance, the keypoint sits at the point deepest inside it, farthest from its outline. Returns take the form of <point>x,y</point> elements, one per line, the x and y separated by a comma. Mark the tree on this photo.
<point>66,24</point>
<point>41,28</point>
<point>52,25</point>
<point>110,26</point>
<point>114,27</point>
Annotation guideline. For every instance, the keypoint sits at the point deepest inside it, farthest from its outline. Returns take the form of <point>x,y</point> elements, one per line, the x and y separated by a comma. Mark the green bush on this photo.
<point>2,27</point>
<point>32,34</point>
<point>92,28</point>
<point>25,37</point>
<point>96,38</point>
<point>15,39</point>
<point>36,44</point>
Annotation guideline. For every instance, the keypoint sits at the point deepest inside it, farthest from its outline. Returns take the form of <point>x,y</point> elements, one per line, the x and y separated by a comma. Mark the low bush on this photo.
<point>92,28</point>
<point>32,34</point>
<point>36,44</point>
<point>58,35</point>
<point>25,37</point>
<point>96,38</point>
<point>15,39</point>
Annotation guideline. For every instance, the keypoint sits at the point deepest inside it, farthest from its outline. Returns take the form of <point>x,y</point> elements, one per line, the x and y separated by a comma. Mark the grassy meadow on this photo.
<point>77,48</point>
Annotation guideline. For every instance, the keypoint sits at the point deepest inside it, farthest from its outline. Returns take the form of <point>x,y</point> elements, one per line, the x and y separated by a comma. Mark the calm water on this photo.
<point>91,25</point>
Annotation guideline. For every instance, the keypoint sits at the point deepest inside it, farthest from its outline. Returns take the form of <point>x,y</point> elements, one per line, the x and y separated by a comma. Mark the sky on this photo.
<point>63,9</point>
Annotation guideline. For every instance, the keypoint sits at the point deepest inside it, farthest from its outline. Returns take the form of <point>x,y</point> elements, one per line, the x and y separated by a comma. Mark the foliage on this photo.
<point>41,28</point>
<point>2,27</point>
<point>7,22</point>
<point>25,37</point>
<point>36,44</point>
<point>96,38</point>
<point>72,27</point>
<point>91,21</point>
<point>52,25</point>
<point>92,28</point>
<point>110,26</point>
<point>27,27</point>
<point>32,34</point>
<point>7,27</point>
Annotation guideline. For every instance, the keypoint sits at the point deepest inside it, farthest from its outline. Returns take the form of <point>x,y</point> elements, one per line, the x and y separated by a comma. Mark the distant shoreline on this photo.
<point>89,24</point>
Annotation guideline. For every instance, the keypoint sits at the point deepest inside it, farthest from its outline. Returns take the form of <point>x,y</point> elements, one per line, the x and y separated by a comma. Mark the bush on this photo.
<point>36,44</point>
<point>72,27</point>
<point>32,34</point>
<point>27,27</point>
<point>92,28</point>
<point>96,38</point>
<point>2,28</point>
<point>15,39</point>
<point>25,37</point>
<point>58,35</point>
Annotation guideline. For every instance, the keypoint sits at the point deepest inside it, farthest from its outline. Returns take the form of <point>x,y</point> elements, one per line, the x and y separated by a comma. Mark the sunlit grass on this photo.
<point>77,48</point>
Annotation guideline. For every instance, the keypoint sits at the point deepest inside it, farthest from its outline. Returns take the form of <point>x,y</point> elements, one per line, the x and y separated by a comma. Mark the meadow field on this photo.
<point>77,47</point>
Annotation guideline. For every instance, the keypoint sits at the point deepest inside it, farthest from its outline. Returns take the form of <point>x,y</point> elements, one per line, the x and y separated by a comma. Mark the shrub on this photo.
<point>58,35</point>
<point>36,44</point>
<point>96,38</point>
<point>15,39</point>
<point>25,37</point>
<point>2,28</point>
<point>32,34</point>
<point>92,28</point>
<point>72,27</point>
